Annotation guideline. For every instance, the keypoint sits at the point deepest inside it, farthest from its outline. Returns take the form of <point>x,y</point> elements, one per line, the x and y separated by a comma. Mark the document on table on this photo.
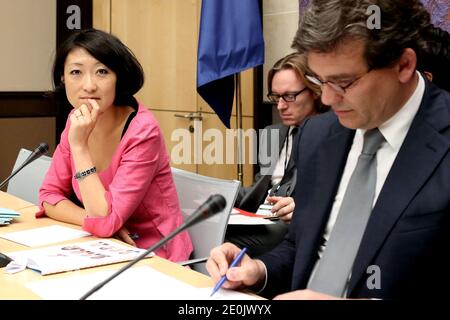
<point>7,215</point>
<point>137,283</point>
<point>45,235</point>
<point>73,256</point>
<point>236,217</point>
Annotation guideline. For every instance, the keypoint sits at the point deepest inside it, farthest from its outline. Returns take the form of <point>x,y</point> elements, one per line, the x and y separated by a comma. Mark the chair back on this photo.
<point>26,183</point>
<point>193,190</point>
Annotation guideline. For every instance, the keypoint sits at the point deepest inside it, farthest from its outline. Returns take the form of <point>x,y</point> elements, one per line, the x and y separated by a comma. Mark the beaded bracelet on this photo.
<point>83,174</point>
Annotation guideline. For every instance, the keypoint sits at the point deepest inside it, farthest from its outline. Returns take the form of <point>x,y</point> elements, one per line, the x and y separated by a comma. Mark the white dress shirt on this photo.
<point>285,155</point>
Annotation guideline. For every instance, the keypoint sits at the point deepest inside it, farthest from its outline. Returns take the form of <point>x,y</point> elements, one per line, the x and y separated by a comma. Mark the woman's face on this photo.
<point>292,113</point>
<point>87,78</point>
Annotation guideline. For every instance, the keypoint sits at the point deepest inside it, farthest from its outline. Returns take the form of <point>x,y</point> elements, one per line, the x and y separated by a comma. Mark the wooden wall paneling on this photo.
<point>102,14</point>
<point>226,171</point>
<point>163,35</point>
<point>174,139</point>
<point>23,133</point>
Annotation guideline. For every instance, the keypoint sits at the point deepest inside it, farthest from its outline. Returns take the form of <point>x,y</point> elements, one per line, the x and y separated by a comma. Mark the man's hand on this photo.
<point>250,272</point>
<point>283,207</point>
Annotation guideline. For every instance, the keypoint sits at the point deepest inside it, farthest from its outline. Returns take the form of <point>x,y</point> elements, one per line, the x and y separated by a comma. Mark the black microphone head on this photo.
<point>217,202</point>
<point>42,148</point>
<point>213,205</point>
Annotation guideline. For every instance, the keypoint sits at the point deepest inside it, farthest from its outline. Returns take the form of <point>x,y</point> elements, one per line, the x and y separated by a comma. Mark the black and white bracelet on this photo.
<point>83,174</point>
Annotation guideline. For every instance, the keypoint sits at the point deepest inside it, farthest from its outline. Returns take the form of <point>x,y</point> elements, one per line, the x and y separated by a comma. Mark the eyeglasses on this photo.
<point>339,88</point>
<point>287,97</point>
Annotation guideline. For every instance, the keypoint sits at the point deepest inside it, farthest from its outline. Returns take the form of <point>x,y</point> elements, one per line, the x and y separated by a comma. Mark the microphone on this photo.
<point>214,204</point>
<point>40,150</point>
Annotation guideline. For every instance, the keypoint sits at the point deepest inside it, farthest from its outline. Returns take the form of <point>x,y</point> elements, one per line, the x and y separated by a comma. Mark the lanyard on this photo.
<point>288,135</point>
<point>286,162</point>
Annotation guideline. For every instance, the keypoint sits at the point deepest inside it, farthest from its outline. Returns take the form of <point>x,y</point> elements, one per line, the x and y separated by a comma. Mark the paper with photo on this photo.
<point>75,256</point>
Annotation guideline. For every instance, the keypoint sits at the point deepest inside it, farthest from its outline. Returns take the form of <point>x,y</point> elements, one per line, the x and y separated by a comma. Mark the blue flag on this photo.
<point>230,41</point>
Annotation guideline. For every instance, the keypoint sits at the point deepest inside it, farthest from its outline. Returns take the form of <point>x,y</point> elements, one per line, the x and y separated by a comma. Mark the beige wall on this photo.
<point>280,21</point>
<point>28,40</point>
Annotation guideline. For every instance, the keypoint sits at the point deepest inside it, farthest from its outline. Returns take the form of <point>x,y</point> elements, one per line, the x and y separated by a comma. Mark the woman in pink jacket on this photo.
<point>110,172</point>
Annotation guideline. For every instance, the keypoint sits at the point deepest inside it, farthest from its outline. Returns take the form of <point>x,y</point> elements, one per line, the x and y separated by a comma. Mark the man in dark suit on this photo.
<point>296,99</point>
<point>250,198</point>
<point>368,76</point>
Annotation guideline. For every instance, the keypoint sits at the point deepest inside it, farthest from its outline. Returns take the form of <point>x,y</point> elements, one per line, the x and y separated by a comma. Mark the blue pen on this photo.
<point>233,264</point>
<point>133,236</point>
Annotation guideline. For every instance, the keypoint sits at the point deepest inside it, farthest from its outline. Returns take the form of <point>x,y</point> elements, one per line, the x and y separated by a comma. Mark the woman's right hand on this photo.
<point>249,273</point>
<point>124,235</point>
<point>82,122</point>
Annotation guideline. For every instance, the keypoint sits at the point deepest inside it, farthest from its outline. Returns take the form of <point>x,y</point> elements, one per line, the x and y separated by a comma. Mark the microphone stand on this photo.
<point>214,204</point>
<point>134,261</point>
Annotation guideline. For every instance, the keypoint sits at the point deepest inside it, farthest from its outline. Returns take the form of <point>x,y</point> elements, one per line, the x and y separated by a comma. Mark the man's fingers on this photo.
<point>286,218</point>
<point>219,260</point>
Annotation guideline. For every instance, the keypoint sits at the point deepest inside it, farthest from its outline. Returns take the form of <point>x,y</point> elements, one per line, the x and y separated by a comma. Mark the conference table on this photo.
<point>12,286</point>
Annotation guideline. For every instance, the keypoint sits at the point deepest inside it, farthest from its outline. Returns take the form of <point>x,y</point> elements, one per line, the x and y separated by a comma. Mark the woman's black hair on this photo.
<point>110,51</point>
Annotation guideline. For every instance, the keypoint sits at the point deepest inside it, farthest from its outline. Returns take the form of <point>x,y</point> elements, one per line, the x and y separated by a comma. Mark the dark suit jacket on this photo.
<point>407,235</point>
<point>250,198</point>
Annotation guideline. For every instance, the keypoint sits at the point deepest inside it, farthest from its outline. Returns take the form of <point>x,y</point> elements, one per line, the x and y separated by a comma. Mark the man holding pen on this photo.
<point>373,217</point>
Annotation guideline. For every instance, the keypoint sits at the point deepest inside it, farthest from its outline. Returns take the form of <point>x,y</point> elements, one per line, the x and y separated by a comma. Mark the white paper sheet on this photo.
<point>241,219</point>
<point>45,235</point>
<point>138,283</point>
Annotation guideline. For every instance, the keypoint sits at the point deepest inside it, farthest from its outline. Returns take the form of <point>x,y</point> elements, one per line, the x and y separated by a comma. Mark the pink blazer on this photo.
<point>139,188</point>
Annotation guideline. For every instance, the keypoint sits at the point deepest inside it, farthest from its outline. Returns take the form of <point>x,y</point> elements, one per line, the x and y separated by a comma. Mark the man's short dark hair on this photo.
<point>325,24</point>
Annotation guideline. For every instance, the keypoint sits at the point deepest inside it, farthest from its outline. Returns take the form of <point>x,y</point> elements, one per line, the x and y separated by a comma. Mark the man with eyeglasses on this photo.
<point>372,218</point>
<point>273,187</point>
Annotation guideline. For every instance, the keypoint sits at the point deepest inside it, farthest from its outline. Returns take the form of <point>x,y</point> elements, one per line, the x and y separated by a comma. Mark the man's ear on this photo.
<point>429,75</point>
<point>407,65</point>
